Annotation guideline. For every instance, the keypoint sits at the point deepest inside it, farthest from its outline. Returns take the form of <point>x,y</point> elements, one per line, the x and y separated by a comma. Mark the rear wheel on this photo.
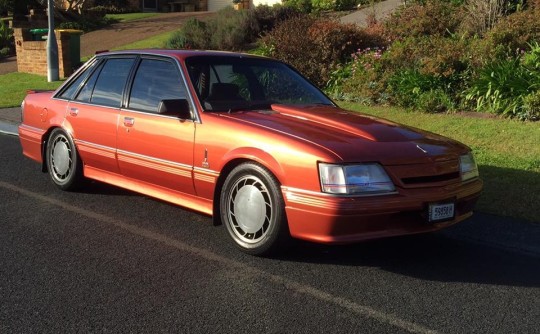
<point>253,210</point>
<point>63,162</point>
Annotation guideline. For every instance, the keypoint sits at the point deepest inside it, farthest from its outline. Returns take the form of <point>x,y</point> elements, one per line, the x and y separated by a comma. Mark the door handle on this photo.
<point>73,111</point>
<point>129,122</point>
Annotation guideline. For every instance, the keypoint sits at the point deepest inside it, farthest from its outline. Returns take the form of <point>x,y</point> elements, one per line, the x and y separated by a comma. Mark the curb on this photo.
<point>9,128</point>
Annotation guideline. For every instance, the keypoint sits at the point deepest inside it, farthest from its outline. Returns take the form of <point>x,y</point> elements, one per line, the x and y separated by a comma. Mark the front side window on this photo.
<point>154,81</point>
<point>229,83</point>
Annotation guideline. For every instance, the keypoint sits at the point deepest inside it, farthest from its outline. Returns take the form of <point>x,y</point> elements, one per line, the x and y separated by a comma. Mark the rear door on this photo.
<point>93,113</point>
<point>156,149</point>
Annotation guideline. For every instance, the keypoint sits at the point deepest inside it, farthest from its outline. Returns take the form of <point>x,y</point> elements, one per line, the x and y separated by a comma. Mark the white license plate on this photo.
<point>439,212</point>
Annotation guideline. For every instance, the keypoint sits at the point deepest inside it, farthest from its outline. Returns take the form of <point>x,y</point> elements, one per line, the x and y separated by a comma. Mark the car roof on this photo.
<point>180,54</point>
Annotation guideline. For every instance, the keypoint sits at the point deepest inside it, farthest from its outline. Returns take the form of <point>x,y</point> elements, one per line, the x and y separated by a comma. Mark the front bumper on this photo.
<point>331,219</point>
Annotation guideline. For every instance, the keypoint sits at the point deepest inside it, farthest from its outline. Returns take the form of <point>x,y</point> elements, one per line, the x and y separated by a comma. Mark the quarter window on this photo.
<point>154,81</point>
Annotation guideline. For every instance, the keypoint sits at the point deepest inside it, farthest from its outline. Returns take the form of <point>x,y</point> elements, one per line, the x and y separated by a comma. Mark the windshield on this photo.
<point>236,83</point>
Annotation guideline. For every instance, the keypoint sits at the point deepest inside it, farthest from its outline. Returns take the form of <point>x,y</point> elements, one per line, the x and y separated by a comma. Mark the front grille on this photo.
<point>430,178</point>
<point>433,174</point>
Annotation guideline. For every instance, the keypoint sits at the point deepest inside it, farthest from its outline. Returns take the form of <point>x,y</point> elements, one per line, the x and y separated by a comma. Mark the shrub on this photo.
<point>228,30</point>
<point>410,88</point>
<point>432,18</point>
<point>512,33</point>
<point>303,6</point>
<point>481,15</point>
<point>316,47</point>
<point>193,35</point>
<point>6,35</point>
<point>531,107</point>
<point>363,79</point>
<point>501,87</point>
<point>322,5</point>
<point>268,17</point>
<point>434,101</point>
<point>232,29</point>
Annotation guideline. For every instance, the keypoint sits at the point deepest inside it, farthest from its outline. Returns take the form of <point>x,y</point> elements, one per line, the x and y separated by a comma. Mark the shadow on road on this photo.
<point>434,257</point>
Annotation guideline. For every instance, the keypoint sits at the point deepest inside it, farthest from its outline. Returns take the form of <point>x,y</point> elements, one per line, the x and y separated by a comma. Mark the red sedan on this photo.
<point>249,141</point>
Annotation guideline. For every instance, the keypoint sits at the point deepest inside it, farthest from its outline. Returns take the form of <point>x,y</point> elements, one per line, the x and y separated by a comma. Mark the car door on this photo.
<point>93,113</point>
<point>153,148</point>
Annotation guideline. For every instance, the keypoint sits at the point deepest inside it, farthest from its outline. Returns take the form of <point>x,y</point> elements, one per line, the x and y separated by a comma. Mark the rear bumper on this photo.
<point>339,220</point>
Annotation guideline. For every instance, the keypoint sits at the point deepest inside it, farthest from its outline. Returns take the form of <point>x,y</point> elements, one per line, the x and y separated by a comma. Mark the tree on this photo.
<point>6,6</point>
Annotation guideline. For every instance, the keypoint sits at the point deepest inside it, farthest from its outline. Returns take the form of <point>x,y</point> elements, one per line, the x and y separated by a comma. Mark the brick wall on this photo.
<point>32,55</point>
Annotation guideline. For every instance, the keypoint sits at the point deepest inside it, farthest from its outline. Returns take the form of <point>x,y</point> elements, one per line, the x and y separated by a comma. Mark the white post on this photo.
<point>52,47</point>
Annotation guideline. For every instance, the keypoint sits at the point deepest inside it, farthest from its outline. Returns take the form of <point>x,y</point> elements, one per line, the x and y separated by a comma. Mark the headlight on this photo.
<point>468,167</point>
<point>354,179</point>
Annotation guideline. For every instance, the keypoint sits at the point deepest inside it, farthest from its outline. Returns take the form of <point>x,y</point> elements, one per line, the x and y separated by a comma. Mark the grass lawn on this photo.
<point>129,16</point>
<point>157,41</point>
<point>14,86</point>
<point>507,151</point>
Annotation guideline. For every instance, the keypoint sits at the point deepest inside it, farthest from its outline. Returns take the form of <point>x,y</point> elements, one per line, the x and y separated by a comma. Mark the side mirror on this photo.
<point>175,107</point>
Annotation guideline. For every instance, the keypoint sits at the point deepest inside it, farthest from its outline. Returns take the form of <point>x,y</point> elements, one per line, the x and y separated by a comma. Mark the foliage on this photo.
<point>4,52</point>
<point>232,29</point>
<point>363,79</point>
<point>111,9</point>
<point>268,17</point>
<point>193,35</point>
<point>315,46</point>
<point>434,64</point>
<point>501,87</point>
<point>435,18</point>
<point>303,6</point>
<point>482,15</point>
<point>6,36</point>
<point>512,33</point>
<point>6,6</point>
<point>228,30</point>
<point>85,23</point>
<point>531,107</point>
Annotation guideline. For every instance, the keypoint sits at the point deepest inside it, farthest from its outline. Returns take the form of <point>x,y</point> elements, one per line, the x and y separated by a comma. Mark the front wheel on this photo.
<point>63,162</point>
<point>253,210</point>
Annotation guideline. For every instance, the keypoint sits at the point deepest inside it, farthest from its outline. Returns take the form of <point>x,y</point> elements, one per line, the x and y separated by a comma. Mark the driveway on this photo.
<point>122,33</point>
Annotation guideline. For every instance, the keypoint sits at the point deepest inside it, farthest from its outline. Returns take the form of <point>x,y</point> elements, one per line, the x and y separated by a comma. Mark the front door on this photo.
<point>153,148</point>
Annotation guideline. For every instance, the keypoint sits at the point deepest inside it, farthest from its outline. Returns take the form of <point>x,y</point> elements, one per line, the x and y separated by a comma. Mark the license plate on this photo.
<point>440,212</point>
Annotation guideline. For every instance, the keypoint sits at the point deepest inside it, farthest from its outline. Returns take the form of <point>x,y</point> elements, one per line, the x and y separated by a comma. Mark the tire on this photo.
<point>63,161</point>
<point>253,211</point>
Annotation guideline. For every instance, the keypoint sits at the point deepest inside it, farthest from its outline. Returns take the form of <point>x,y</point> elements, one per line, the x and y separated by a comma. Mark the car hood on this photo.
<point>353,136</point>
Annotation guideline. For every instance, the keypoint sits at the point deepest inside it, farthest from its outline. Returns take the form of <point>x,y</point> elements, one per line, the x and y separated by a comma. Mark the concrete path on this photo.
<point>381,10</point>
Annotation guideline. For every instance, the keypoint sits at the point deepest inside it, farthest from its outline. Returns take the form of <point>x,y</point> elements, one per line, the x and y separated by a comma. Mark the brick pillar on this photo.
<point>32,55</point>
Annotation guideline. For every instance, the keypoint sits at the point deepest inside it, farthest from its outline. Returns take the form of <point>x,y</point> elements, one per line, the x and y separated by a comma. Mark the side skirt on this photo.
<point>195,203</point>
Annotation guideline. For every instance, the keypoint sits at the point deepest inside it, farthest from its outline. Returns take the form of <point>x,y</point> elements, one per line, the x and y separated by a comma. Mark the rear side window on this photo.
<point>111,82</point>
<point>154,81</point>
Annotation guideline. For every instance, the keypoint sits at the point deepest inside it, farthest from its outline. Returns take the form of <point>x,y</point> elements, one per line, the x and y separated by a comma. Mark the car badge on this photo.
<point>205,163</point>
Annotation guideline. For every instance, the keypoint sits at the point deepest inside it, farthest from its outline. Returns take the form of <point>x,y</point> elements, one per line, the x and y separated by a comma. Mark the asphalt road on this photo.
<point>108,260</point>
